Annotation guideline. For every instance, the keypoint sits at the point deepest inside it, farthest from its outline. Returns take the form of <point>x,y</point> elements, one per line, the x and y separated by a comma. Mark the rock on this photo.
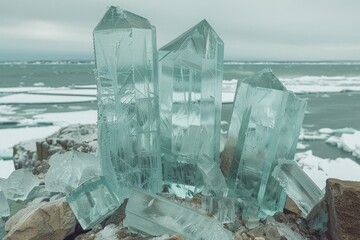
<point>343,198</point>
<point>33,154</point>
<point>51,221</point>
<point>291,206</point>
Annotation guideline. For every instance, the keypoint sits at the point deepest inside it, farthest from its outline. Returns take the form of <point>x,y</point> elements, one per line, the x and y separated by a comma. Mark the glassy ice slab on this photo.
<point>298,185</point>
<point>153,215</point>
<point>92,202</point>
<point>2,228</point>
<point>191,73</point>
<point>68,170</point>
<point>4,206</point>
<point>128,109</point>
<point>222,208</point>
<point>19,184</point>
<point>264,127</point>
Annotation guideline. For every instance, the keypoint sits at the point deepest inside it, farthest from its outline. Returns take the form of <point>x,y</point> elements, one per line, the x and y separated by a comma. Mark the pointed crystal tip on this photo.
<point>265,79</point>
<point>201,36</point>
<point>116,17</point>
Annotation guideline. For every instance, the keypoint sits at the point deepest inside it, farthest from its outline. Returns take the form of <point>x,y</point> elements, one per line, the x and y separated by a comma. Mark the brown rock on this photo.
<point>52,220</point>
<point>343,198</point>
<point>291,206</point>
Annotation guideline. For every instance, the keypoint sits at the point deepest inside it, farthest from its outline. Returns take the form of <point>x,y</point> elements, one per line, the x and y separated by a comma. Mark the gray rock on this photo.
<point>51,221</point>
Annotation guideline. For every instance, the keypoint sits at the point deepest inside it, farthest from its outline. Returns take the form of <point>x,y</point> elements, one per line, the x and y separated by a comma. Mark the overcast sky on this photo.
<point>251,30</point>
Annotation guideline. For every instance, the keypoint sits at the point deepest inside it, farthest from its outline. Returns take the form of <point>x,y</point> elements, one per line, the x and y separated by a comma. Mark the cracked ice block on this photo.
<point>128,109</point>
<point>153,215</point>
<point>264,127</point>
<point>4,206</point>
<point>190,77</point>
<point>298,185</point>
<point>222,208</point>
<point>92,202</point>
<point>19,184</point>
<point>68,170</point>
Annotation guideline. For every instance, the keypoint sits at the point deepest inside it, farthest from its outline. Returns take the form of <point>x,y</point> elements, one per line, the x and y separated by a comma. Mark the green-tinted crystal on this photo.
<point>92,202</point>
<point>264,127</point>
<point>128,109</point>
<point>191,71</point>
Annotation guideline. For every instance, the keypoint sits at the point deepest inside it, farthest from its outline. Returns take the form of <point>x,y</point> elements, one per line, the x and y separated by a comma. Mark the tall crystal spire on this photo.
<point>264,128</point>
<point>191,72</point>
<point>128,112</point>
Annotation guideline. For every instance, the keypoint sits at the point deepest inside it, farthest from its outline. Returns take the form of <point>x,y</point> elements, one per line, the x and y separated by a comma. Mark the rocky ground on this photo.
<point>50,217</point>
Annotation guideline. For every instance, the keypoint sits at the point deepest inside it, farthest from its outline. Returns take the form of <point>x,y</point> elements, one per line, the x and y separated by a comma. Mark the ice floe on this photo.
<point>319,169</point>
<point>349,142</point>
<point>26,98</point>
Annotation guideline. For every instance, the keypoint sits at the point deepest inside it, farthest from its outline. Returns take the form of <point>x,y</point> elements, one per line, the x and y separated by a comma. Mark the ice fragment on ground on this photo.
<point>92,202</point>
<point>68,170</point>
<point>153,215</point>
<point>19,184</point>
<point>297,185</point>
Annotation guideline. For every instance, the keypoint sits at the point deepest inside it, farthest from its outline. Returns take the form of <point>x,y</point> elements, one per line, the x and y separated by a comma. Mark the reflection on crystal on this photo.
<point>68,170</point>
<point>191,71</point>
<point>128,111</point>
<point>4,206</point>
<point>222,208</point>
<point>19,184</point>
<point>92,202</point>
<point>264,127</point>
<point>152,215</point>
<point>298,185</point>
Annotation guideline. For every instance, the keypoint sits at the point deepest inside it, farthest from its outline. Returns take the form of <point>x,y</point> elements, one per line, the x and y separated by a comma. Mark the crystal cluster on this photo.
<point>128,109</point>
<point>164,129</point>
<point>264,127</point>
<point>190,83</point>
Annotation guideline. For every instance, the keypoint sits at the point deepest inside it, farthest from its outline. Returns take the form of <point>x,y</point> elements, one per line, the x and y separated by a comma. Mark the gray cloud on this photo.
<point>251,30</point>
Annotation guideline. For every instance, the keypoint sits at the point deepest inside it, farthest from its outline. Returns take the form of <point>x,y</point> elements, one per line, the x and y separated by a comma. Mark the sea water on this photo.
<point>37,98</point>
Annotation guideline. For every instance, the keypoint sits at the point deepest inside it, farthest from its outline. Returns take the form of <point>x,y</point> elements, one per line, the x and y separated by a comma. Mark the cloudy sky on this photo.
<point>251,29</point>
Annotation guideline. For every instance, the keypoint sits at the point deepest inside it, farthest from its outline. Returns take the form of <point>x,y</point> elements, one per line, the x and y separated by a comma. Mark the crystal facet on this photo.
<point>68,170</point>
<point>298,185</point>
<point>92,202</point>
<point>190,77</point>
<point>4,206</point>
<point>222,208</point>
<point>19,184</point>
<point>264,127</point>
<point>153,215</point>
<point>128,110</point>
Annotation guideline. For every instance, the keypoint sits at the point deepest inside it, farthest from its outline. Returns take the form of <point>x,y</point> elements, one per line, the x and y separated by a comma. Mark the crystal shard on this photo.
<point>4,206</point>
<point>222,208</point>
<point>152,215</point>
<point>190,77</point>
<point>19,184</point>
<point>128,109</point>
<point>92,202</point>
<point>264,127</point>
<point>298,185</point>
<point>68,170</point>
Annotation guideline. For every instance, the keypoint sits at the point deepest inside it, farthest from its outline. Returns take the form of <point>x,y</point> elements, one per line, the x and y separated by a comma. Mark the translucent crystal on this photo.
<point>222,208</point>
<point>128,109</point>
<point>2,229</point>
<point>19,184</point>
<point>92,202</point>
<point>68,170</point>
<point>4,206</point>
<point>298,185</point>
<point>152,215</point>
<point>191,73</point>
<point>264,127</point>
